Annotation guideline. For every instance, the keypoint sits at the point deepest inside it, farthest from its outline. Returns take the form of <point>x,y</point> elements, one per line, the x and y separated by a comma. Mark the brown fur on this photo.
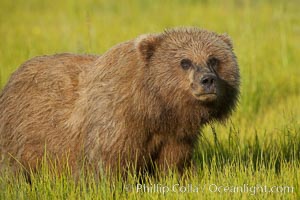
<point>133,106</point>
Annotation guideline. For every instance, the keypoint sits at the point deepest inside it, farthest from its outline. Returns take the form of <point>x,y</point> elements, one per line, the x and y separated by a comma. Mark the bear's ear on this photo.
<point>147,44</point>
<point>226,39</point>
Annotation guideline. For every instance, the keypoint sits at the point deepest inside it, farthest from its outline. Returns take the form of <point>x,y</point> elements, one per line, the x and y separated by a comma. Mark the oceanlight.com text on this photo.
<point>213,188</point>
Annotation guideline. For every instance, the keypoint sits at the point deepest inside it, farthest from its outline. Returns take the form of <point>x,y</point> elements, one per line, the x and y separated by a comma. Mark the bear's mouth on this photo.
<point>206,97</point>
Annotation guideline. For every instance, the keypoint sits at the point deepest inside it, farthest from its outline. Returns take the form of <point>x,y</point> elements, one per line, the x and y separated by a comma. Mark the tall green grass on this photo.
<point>260,144</point>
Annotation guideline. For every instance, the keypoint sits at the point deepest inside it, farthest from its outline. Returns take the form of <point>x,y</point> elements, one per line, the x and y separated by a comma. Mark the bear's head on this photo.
<point>192,66</point>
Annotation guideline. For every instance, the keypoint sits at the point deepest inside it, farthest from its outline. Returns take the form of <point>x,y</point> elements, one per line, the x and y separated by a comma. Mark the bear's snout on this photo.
<point>208,82</point>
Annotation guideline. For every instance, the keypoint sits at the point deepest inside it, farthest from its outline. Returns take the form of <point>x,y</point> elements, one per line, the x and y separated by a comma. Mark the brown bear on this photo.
<point>141,104</point>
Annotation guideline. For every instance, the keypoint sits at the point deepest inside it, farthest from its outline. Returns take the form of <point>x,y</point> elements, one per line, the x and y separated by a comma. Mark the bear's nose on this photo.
<point>208,80</point>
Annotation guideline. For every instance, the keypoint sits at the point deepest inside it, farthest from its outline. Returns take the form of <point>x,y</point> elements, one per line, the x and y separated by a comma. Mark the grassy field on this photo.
<point>256,155</point>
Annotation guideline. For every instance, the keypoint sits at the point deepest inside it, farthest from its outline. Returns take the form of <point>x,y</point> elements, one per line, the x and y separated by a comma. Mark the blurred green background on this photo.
<point>266,38</point>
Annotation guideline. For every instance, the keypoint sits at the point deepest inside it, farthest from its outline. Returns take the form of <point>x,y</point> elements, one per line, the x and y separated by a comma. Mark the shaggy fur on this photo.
<point>129,109</point>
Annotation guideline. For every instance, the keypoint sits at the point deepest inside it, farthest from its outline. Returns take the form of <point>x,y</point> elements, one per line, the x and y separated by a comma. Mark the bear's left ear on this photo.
<point>147,44</point>
<point>226,39</point>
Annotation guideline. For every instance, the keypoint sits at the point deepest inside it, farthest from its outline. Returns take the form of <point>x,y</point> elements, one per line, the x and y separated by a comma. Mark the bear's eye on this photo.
<point>186,64</point>
<point>213,63</point>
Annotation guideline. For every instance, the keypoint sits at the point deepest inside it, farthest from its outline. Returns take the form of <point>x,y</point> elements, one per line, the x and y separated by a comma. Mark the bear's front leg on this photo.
<point>174,155</point>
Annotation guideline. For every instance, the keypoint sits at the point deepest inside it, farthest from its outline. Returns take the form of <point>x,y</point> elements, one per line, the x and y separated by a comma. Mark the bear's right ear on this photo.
<point>225,38</point>
<point>147,44</point>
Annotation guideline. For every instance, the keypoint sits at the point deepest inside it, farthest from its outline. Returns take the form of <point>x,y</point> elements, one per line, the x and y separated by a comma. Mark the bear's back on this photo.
<point>37,102</point>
